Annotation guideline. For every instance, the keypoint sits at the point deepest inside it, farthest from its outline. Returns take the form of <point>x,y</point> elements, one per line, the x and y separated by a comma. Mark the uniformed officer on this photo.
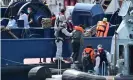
<point>60,33</point>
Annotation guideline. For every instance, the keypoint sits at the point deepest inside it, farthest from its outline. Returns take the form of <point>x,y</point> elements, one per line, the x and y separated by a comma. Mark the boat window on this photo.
<point>125,7</point>
<point>121,51</point>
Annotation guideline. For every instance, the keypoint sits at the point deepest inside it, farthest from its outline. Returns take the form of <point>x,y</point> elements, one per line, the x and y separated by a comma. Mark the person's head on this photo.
<point>100,48</point>
<point>53,15</point>
<point>81,25</point>
<point>44,2</point>
<point>29,10</point>
<point>62,11</point>
<point>104,19</point>
<point>95,50</point>
<point>22,12</point>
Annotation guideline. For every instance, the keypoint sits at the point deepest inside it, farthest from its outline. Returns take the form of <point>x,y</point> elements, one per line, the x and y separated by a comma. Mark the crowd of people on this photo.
<point>27,17</point>
<point>94,60</point>
<point>63,27</point>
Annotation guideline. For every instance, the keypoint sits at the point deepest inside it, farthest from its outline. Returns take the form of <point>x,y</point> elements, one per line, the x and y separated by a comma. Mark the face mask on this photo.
<point>28,11</point>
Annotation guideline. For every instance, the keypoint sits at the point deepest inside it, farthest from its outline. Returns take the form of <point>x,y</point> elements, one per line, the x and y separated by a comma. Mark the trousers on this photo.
<point>76,49</point>
<point>59,45</point>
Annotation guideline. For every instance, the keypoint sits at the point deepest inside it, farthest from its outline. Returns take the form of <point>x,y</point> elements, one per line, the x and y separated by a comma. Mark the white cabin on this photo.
<point>122,42</point>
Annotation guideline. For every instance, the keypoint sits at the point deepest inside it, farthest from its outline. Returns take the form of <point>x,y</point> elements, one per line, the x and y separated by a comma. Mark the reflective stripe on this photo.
<point>102,29</point>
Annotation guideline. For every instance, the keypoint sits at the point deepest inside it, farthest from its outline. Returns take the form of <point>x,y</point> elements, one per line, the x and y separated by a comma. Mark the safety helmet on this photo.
<point>105,19</point>
<point>99,46</point>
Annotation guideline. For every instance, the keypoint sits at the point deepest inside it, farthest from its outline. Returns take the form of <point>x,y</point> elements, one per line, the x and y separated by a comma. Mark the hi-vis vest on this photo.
<point>90,51</point>
<point>102,29</point>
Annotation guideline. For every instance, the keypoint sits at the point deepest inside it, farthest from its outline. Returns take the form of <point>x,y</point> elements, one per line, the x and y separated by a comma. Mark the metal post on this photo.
<point>103,68</point>
<point>59,66</point>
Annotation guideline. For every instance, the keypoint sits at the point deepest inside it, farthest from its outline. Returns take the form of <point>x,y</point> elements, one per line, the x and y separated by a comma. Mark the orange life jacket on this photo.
<point>79,28</point>
<point>102,29</point>
<point>90,51</point>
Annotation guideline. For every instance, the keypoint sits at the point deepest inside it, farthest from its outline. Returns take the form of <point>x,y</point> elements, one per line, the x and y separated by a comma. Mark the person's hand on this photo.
<point>73,31</point>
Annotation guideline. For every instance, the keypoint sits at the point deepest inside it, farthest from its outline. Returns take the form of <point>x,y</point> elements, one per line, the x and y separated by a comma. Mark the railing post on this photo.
<point>103,68</point>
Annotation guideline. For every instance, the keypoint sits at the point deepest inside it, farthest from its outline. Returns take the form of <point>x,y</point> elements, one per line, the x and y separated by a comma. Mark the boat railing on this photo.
<point>103,68</point>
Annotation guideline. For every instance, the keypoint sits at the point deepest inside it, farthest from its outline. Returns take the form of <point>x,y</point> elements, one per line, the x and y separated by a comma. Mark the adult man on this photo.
<point>24,17</point>
<point>88,58</point>
<point>77,41</point>
<point>53,18</point>
<point>102,28</point>
<point>70,26</point>
<point>101,61</point>
<point>60,33</point>
<point>30,17</point>
<point>11,23</point>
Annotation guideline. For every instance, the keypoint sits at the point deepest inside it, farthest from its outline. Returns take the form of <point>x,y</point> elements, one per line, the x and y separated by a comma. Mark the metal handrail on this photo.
<point>103,68</point>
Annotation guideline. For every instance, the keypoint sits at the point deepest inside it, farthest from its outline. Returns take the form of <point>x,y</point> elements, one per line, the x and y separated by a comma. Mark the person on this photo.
<point>88,58</point>
<point>60,18</point>
<point>60,33</point>
<point>24,17</point>
<point>102,28</point>
<point>70,26</point>
<point>11,23</point>
<point>53,18</point>
<point>120,65</point>
<point>30,17</point>
<point>97,62</point>
<point>77,41</point>
<point>103,61</point>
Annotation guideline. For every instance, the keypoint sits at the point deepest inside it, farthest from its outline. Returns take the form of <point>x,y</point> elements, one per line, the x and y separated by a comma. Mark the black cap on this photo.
<point>62,10</point>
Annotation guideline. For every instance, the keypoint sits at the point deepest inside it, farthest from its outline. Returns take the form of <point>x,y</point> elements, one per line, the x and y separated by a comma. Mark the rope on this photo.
<point>16,62</point>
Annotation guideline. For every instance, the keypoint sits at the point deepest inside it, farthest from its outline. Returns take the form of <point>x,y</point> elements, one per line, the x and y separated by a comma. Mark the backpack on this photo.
<point>77,35</point>
<point>87,60</point>
<point>103,57</point>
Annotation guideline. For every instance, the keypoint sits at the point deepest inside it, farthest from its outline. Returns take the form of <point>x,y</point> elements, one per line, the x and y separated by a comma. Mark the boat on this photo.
<point>39,43</point>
